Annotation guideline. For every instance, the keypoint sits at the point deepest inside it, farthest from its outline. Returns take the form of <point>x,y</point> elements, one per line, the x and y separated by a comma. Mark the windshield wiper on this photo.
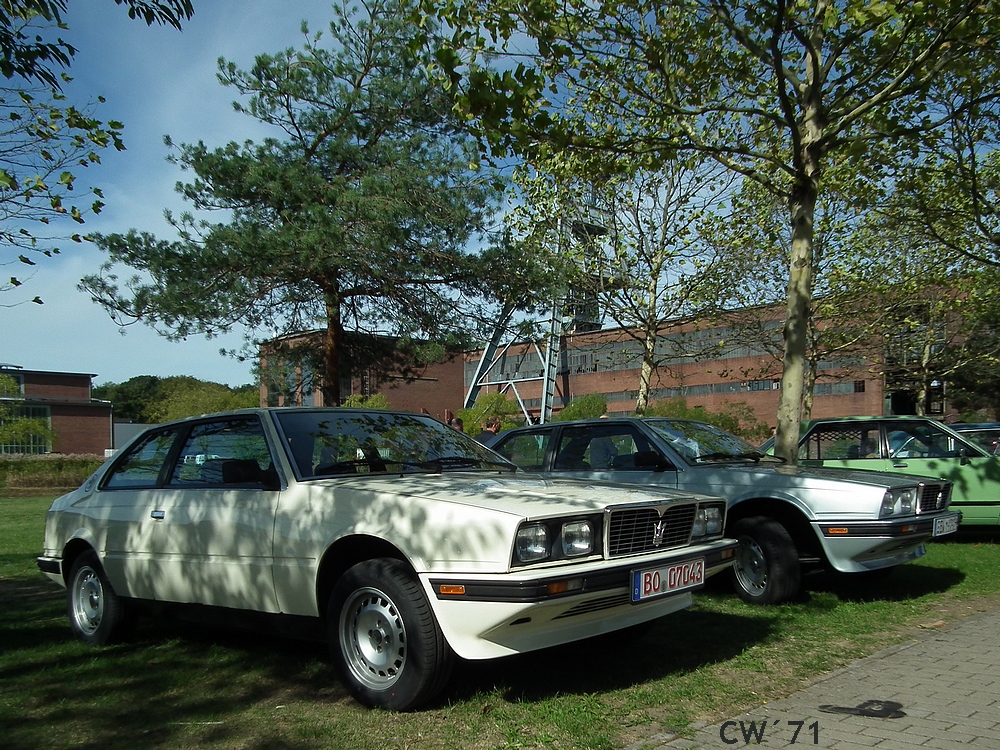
<point>749,456</point>
<point>462,462</point>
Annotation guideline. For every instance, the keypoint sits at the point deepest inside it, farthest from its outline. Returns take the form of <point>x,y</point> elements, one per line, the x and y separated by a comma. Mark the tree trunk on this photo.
<point>798,309</point>
<point>333,343</point>
<point>646,373</point>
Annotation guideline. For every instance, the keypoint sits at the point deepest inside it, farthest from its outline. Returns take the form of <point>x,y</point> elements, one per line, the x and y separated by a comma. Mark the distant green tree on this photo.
<point>736,417</point>
<point>147,399</point>
<point>374,401</point>
<point>589,406</point>
<point>490,405</point>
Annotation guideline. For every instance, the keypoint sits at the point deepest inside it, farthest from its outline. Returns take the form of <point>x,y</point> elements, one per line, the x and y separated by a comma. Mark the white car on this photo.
<point>409,541</point>
<point>788,520</point>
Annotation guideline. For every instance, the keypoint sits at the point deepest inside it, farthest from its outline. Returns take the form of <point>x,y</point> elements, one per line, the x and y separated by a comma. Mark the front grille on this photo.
<point>934,497</point>
<point>632,531</point>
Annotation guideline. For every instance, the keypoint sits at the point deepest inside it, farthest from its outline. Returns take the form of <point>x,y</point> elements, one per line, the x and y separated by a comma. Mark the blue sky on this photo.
<point>157,81</point>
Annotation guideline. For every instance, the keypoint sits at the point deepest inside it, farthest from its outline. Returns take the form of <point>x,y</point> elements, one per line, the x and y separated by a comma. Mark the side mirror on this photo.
<point>651,460</point>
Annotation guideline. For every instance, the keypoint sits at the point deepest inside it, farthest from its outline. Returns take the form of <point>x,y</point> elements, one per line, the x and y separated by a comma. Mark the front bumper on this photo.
<point>517,613</point>
<point>51,567</point>
<point>858,546</point>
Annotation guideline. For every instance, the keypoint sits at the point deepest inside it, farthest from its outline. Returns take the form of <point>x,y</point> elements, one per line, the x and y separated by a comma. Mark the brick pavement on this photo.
<point>939,692</point>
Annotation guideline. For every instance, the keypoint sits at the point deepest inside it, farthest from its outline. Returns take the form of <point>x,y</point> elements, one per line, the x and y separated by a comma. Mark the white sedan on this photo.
<point>409,541</point>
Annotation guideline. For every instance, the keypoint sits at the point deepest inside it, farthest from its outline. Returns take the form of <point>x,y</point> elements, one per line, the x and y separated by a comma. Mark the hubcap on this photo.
<point>751,567</point>
<point>373,638</point>
<point>88,600</point>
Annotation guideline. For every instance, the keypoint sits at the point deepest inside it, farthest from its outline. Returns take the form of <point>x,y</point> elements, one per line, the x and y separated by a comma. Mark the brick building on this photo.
<point>79,423</point>
<point>730,367</point>
<point>436,388</point>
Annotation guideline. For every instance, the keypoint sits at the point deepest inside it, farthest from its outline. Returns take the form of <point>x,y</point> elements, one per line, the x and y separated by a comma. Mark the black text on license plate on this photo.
<point>945,525</point>
<point>653,582</point>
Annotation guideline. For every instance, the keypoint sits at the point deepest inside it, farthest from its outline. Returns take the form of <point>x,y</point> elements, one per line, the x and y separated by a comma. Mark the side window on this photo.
<point>140,467</point>
<point>599,447</point>
<point>526,451</point>
<point>839,442</point>
<point>229,452</point>
<point>921,440</point>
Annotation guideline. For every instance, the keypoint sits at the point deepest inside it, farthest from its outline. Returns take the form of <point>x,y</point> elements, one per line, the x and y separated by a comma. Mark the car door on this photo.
<point>212,542</point>
<point>926,449</point>
<point>124,504</point>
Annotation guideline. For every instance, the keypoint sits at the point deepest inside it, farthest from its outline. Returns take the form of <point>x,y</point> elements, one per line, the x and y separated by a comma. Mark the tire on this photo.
<point>97,615</point>
<point>388,647</point>
<point>767,564</point>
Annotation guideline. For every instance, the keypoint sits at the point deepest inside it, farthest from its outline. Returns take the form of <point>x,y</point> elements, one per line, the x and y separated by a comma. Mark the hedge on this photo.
<point>52,470</point>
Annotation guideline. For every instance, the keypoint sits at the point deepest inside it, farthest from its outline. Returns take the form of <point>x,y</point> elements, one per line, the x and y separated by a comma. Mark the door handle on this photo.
<point>158,515</point>
<point>900,465</point>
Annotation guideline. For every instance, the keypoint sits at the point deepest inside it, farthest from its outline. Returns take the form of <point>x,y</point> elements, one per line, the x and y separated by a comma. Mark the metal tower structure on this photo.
<point>576,310</point>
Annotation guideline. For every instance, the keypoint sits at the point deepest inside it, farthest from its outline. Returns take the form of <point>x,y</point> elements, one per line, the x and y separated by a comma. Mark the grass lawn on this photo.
<point>184,685</point>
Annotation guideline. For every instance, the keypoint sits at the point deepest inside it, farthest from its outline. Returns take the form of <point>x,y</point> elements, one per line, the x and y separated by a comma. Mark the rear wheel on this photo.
<point>388,647</point>
<point>767,564</point>
<point>97,615</point>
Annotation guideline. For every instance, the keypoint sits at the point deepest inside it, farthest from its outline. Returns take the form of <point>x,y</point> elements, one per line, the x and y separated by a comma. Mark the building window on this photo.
<point>859,386</point>
<point>27,443</point>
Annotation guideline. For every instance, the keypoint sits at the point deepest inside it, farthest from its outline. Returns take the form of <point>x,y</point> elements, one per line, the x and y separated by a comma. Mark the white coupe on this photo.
<point>409,541</point>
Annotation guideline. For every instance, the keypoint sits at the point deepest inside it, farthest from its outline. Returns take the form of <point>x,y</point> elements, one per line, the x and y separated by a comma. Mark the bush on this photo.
<point>590,406</point>
<point>53,470</point>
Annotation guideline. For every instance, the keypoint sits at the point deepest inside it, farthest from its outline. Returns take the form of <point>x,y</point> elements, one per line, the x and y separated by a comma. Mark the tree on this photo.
<point>590,406</point>
<point>357,217</point>
<point>636,239</point>
<point>44,141</point>
<point>33,58</point>
<point>947,195</point>
<point>147,399</point>
<point>778,92</point>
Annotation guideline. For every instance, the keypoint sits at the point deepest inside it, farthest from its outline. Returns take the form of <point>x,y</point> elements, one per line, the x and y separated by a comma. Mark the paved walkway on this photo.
<point>941,692</point>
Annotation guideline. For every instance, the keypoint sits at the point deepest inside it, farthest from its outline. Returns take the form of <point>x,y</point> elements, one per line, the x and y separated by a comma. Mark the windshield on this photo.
<point>701,442</point>
<point>335,442</point>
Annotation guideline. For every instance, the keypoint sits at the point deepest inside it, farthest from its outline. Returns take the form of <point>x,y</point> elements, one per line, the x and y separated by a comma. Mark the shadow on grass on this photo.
<point>186,682</point>
<point>904,583</point>
<point>676,644</point>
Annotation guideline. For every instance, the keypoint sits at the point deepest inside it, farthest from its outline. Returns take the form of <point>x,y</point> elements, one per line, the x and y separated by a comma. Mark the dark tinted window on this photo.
<point>141,465</point>
<point>227,452</point>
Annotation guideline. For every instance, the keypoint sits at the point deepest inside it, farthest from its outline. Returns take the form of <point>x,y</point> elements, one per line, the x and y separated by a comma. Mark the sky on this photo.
<point>157,81</point>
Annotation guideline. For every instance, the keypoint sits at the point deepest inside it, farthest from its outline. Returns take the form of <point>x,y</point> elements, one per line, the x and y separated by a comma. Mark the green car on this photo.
<point>908,445</point>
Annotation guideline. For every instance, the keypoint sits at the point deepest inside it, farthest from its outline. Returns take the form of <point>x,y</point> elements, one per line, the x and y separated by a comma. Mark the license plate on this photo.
<point>654,582</point>
<point>945,525</point>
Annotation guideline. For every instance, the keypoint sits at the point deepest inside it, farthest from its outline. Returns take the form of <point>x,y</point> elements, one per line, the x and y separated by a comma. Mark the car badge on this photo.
<point>659,530</point>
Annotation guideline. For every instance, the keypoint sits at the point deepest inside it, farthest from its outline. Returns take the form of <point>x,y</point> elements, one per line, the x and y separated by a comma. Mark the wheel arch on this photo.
<point>344,554</point>
<point>73,549</point>
<point>788,515</point>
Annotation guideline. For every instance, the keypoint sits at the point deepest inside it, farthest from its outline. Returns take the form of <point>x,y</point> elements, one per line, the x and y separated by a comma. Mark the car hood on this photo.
<point>781,475</point>
<point>522,495</point>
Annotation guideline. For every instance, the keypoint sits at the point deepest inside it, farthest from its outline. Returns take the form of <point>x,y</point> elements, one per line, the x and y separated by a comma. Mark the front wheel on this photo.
<point>387,645</point>
<point>766,570</point>
<point>97,615</point>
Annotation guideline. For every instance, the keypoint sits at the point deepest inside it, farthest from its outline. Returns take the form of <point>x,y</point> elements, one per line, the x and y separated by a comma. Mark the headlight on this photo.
<point>898,502</point>
<point>707,522</point>
<point>577,538</point>
<point>532,543</point>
